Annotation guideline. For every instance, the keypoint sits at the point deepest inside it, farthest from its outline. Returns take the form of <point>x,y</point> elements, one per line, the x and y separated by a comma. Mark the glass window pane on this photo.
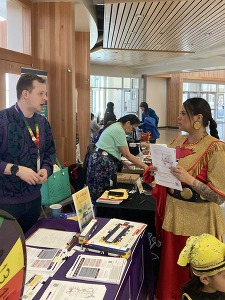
<point>204,87</point>
<point>212,87</point>
<point>16,29</point>
<point>113,82</point>
<point>185,96</point>
<point>115,96</point>
<point>193,86</point>
<point>211,100</point>
<point>127,83</point>
<point>92,81</point>
<point>220,107</point>
<point>185,86</point>
<point>221,88</point>
<point>11,81</point>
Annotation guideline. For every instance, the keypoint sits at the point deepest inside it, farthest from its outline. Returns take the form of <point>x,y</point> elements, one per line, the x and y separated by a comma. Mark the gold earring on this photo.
<point>197,125</point>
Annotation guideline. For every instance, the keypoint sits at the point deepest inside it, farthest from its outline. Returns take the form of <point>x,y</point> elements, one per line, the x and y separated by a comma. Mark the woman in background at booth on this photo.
<point>109,113</point>
<point>103,162</point>
<point>149,122</point>
<point>196,209</point>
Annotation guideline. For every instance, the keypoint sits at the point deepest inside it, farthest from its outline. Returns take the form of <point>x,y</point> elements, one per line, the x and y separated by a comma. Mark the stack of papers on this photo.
<point>64,290</point>
<point>45,261</point>
<point>98,268</point>
<point>41,264</point>
<point>51,238</point>
<point>33,284</point>
<point>105,198</point>
<point>116,238</point>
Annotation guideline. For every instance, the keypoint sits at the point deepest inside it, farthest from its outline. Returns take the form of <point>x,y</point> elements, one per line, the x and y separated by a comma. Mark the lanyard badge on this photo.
<point>35,139</point>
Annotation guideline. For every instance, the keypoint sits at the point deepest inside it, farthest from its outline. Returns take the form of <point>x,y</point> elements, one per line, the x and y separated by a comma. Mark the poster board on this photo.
<point>84,207</point>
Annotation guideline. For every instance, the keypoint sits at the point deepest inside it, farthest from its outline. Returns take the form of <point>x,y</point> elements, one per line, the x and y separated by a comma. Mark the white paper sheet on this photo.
<point>164,159</point>
<point>33,283</point>
<point>98,268</point>
<point>45,261</point>
<point>64,290</point>
<point>50,238</point>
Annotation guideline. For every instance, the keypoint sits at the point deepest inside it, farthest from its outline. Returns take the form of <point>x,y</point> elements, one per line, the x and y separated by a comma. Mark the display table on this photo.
<point>138,208</point>
<point>137,281</point>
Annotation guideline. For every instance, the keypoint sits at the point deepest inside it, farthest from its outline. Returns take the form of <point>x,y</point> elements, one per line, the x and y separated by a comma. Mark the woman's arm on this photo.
<point>207,192</point>
<point>126,153</point>
<point>203,189</point>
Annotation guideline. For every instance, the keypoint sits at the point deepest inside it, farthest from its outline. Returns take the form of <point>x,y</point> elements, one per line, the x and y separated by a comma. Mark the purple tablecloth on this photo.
<point>129,284</point>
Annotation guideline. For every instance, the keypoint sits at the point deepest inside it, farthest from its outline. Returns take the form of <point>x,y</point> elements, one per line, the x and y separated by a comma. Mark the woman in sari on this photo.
<point>196,209</point>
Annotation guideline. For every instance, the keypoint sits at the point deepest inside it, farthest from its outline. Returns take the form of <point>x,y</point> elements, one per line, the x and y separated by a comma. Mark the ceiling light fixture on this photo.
<point>139,16</point>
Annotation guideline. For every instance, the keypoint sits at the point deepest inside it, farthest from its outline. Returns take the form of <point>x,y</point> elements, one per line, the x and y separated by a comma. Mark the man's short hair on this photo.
<point>25,82</point>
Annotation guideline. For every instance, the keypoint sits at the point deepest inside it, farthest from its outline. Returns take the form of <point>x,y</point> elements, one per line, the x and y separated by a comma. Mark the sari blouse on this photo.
<point>204,160</point>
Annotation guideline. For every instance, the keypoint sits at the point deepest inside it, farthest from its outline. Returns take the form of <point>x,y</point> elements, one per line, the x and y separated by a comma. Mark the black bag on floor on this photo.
<point>76,176</point>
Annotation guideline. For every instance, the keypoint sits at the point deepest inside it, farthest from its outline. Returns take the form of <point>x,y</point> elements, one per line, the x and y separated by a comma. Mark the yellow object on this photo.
<point>205,254</point>
<point>12,264</point>
<point>106,196</point>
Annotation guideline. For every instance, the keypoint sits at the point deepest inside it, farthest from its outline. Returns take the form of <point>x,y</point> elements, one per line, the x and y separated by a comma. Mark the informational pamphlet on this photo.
<point>45,261</point>
<point>98,268</point>
<point>116,238</point>
<point>113,199</point>
<point>64,290</point>
<point>51,238</point>
<point>33,283</point>
<point>164,159</point>
<point>84,207</point>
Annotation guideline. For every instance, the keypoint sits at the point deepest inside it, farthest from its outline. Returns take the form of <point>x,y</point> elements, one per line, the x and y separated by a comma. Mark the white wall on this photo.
<point>156,97</point>
<point>112,71</point>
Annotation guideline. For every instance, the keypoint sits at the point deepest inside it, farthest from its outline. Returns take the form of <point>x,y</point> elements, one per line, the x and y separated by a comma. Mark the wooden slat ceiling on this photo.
<point>158,30</point>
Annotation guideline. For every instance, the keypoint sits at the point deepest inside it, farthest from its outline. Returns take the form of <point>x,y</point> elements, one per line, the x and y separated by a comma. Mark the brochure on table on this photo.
<point>64,290</point>
<point>98,268</point>
<point>50,238</point>
<point>105,198</point>
<point>33,283</point>
<point>116,238</point>
<point>45,261</point>
<point>84,207</point>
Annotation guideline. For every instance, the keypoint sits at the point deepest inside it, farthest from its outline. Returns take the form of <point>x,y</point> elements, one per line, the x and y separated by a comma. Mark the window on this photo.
<point>15,26</point>
<point>213,93</point>
<point>123,92</point>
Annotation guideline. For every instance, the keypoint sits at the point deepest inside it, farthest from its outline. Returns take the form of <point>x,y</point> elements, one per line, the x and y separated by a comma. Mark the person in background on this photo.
<point>148,112</point>
<point>27,151</point>
<point>103,162</point>
<point>102,129</point>
<point>149,122</point>
<point>94,128</point>
<point>196,209</point>
<point>109,113</point>
<point>205,254</point>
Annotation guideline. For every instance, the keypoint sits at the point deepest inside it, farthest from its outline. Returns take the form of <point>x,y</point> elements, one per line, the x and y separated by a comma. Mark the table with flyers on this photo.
<point>137,281</point>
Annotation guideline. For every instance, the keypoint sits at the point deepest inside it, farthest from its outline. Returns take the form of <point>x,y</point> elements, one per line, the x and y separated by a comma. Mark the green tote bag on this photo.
<point>57,187</point>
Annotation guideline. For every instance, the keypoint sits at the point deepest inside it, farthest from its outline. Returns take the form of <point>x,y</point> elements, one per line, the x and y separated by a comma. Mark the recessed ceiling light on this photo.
<point>139,16</point>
